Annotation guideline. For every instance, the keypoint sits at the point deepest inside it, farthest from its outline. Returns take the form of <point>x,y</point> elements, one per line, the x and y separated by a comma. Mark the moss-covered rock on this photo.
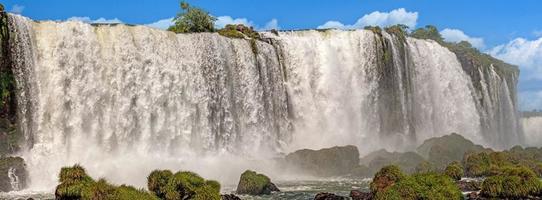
<point>239,31</point>
<point>406,161</point>
<point>76,184</point>
<point>328,196</point>
<point>454,170</point>
<point>421,186</point>
<point>512,183</point>
<point>253,183</point>
<point>327,162</point>
<point>385,178</point>
<point>13,174</point>
<point>189,185</point>
<point>443,150</point>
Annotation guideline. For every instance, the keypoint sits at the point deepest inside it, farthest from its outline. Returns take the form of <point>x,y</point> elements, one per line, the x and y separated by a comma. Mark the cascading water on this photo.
<point>124,100</point>
<point>532,127</point>
<point>13,179</point>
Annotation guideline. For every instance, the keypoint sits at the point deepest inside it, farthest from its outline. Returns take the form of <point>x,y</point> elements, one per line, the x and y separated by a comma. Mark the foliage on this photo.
<point>512,182</point>
<point>239,31</point>
<point>192,20</point>
<point>1,7</point>
<point>375,29</point>
<point>417,186</point>
<point>189,185</point>
<point>157,181</point>
<point>399,30</point>
<point>485,164</point>
<point>425,167</point>
<point>252,183</point>
<point>454,170</point>
<point>386,177</point>
<point>428,32</point>
<point>76,184</point>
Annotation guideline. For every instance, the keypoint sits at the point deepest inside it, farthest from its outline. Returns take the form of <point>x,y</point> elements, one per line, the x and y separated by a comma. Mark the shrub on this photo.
<point>421,186</point>
<point>192,20</point>
<point>239,31</point>
<point>189,185</point>
<point>512,182</point>
<point>454,170</point>
<point>76,184</point>
<point>157,182</point>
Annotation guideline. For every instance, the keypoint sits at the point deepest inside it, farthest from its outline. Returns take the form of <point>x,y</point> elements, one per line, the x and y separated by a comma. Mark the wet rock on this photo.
<point>327,162</point>
<point>328,196</point>
<point>469,185</point>
<point>13,174</point>
<point>229,197</point>
<point>253,183</point>
<point>358,195</point>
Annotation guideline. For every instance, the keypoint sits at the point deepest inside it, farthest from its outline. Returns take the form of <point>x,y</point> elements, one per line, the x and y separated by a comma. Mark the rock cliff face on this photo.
<point>118,89</point>
<point>13,174</point>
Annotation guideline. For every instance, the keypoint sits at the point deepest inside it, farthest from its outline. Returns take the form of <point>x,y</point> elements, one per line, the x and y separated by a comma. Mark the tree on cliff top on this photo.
<point>192,20</point>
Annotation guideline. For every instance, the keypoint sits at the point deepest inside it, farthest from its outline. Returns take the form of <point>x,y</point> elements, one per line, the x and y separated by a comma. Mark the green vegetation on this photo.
<point>454,170</point>
<point>486,164</point>
<point>1,7</point>
<point>192,20</point>
<point>76,184</point>
<point>399,30</point>
<point>513,183</point>
<point>253,183</point>
<point>391,183</point>
<point>239,31</point>
<point>163,184</point>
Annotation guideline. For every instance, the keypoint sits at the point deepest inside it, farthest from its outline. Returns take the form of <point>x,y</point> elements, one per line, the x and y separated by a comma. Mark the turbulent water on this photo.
<point>123,100</point>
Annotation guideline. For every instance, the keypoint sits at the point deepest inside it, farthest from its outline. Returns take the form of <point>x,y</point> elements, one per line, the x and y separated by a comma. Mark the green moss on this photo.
<point>454,170</point>
<point>239,31</point>
<point>375,29</point>
<point>386,177</point>
<point>157,182</point>
<point>252,183</point>
<point>512,182</point>
<point>420,186</point>
<point>76,184</point>
<point>399,30</point>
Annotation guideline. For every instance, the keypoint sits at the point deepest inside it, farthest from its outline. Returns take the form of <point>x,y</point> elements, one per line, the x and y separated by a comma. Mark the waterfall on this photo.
<point>124,100</point>
<point>532,127</point>
<point>13,179</point>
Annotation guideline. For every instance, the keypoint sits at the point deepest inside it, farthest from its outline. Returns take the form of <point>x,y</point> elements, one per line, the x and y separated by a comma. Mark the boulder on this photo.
<point>13,174</point>
<point>358,195</point>
<point>407,161</point>
<point>253,183</point>
<point>229,197</point>
<point>443,150</point>
<point>327,162</point>
<point>328,196</point>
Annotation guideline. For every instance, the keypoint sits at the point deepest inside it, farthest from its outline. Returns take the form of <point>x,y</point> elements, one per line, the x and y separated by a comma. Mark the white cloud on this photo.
<point>161,24</point>
<point>455,35</point>
<point>100,20</point>
<point>382,19</point>
<point>273,24</point>
<point>222,21</point>
<point>17,9</point>
<point>527,54</point>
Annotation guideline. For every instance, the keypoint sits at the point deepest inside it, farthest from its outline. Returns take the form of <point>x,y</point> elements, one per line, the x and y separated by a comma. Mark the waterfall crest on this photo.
<point>125,99</point>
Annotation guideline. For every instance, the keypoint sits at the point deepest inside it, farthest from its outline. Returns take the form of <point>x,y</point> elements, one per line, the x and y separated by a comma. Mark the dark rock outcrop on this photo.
<point>407,161</point>
<point>229,197</point>
<point>441,151</point>
<point>13,174</point>
<point>358,195</point>
<point>328,196</point>
<point>253,183</point>
<point>327,162</point>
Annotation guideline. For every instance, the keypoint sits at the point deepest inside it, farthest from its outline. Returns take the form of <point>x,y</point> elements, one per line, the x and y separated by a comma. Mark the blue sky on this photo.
<point>510,30</point>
